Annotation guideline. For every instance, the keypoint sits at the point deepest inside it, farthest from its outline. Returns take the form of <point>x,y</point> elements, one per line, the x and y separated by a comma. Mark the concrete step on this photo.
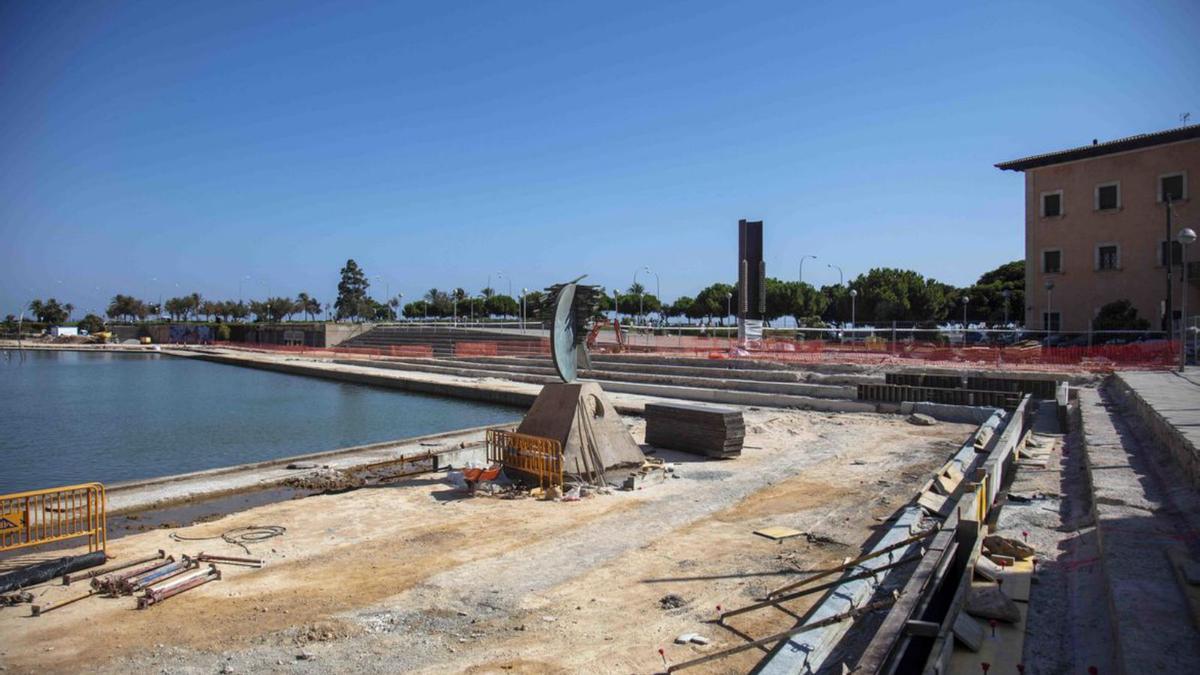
<point>1143,509</point>
<point>483,368</point>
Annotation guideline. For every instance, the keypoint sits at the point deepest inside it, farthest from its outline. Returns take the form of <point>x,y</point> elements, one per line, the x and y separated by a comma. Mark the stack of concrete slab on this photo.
<point>698,429</point>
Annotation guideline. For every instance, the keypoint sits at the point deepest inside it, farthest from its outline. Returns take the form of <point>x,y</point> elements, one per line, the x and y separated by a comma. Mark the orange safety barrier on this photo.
<point>56,514</point>
<point>532,455</point>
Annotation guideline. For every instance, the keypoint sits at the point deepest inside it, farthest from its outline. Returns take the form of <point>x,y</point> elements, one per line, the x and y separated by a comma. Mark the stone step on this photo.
<point>1143,509</point>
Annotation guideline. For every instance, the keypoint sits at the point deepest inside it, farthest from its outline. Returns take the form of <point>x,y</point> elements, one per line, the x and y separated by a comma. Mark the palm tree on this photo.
<point>194,301</point>
<point>303,302</point>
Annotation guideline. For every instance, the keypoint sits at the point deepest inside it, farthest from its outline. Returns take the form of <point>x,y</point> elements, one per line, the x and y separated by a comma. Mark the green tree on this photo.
<point>51,312</point>
<point>92,324</point>
<point>352,290</point>
<point>1119,315</point>
<point>681,307</point>
<point>502,305</point>
<point>988,297</point>
<point>716,300</point>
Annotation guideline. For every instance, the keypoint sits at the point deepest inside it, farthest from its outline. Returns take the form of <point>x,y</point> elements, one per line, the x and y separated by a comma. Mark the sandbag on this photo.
<point>36,574</point>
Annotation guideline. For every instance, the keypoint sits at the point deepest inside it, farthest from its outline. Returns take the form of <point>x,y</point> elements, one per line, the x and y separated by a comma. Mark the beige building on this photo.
<point>1095,223</point>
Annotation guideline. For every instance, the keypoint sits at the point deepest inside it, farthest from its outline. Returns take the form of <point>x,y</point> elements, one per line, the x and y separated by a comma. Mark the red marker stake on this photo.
<point>663,654</point>
<point>985,665</point>
<point>1025,534</point>
<point>992,623</point>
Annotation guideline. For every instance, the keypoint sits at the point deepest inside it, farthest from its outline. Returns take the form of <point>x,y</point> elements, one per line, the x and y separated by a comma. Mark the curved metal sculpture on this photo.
<point>572,305</point>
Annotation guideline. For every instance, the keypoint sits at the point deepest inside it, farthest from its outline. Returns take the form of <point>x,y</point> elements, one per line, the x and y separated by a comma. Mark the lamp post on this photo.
<point>500,275</point>
<point>800,277</point>
<point>1187,236</point>
<point>524,294</point>
<point>853,303</point>
<point>966,300</point>
<point>657,289</point>
<point>1049,300</point>
<point>617,309</point>
<point>841,277</point>
<point>729,304</point>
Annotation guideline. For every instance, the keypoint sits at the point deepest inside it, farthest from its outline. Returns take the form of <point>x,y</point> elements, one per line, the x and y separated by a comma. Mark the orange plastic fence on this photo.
<point>1098,358</point>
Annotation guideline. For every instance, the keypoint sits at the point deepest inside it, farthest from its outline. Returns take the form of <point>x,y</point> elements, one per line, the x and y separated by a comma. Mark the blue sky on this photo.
<point>159,148</point>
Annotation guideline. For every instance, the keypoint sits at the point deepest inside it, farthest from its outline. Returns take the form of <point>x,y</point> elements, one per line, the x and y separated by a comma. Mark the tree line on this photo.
<point>882,295</point>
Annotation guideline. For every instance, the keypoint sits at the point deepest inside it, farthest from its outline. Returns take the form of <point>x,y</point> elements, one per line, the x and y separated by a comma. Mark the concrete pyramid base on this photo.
<point>580,416</point>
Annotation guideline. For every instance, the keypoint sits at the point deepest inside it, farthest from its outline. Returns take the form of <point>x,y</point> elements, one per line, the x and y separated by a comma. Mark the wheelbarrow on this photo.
<point>475,476</point>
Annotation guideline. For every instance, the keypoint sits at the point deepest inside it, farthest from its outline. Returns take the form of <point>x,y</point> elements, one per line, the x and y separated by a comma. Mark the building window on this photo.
<point>1176,253</point>
<point>1051,321</point>
<point>1173,184</point>
<point>1108,196</point>
<point>1052,204</point>
<point>1108,257</point>
<point>1052,262</point>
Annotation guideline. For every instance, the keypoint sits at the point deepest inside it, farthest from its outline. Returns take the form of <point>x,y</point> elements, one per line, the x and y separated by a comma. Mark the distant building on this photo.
<point>1095,226</point>
<point>57,331</point>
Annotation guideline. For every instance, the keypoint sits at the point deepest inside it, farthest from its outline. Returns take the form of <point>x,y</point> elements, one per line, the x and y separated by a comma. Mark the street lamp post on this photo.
<point>524,294</point>
<point>966,300</point>
<point>1049,301</point>
<point>800,277</point>
<point>853,303</point>
<point>841,277</point>
<point>729,304</point>
<point>617,309</point>
<point>500,275</point>
<point>1187,236</point>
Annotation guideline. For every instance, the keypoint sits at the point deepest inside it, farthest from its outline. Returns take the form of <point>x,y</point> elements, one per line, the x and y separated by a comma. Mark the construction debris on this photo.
<point>11,599</point>
<point>997,545</point>
<point>921,420</point>
<point>989,602</point>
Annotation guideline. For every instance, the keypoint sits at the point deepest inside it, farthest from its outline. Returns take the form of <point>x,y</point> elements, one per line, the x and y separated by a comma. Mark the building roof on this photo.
<point>1107,148</point>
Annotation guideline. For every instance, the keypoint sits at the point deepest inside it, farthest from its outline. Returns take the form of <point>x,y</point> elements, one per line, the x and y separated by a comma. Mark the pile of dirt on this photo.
<point>325,480</point>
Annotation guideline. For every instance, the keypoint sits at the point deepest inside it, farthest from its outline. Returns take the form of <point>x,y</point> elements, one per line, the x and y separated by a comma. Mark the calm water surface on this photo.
<point>75,417</point>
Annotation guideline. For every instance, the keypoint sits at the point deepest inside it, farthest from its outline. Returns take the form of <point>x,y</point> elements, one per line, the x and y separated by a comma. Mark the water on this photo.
<point>76,417</point>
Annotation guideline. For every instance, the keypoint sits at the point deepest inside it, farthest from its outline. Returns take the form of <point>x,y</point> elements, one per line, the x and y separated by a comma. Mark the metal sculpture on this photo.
<point>573,305</point>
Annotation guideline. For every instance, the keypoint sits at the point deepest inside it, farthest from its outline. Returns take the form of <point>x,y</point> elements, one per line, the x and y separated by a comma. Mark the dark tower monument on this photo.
<point>752,281</point>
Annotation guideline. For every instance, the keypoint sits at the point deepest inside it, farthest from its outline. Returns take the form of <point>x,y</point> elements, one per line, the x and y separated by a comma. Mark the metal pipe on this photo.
<point>837,618</point>
<point>814,589</point>
<point>176,579</point>
<point>854,563</point>
<point>139,582</point>
<point>38,610</point>
<point>208,557</point>
<point>68,579</point>
<point>158,596</point>
<point>110,582</point>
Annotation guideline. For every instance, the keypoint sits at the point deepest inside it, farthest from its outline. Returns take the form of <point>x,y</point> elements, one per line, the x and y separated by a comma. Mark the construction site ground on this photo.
<point>415,576</point>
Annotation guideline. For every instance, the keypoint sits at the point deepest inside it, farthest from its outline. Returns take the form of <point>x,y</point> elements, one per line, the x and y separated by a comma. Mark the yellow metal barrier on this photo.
<point>57,514</point>
<point>531,455</point>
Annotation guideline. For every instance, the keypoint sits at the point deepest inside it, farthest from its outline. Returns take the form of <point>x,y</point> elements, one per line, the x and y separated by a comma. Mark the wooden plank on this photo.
<point>932,502</point>
<point>778,532</point>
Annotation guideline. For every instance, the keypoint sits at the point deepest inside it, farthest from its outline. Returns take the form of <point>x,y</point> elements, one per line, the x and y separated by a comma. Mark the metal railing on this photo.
<point>540,458</point>
<point>56,514</point>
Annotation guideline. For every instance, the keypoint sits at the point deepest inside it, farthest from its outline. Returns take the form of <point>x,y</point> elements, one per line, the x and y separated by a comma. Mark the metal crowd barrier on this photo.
<point>57,514</point>
<point>540,458</point>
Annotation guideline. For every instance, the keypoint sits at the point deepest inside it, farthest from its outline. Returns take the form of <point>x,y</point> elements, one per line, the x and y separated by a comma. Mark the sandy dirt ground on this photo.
<point>416,577</point>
